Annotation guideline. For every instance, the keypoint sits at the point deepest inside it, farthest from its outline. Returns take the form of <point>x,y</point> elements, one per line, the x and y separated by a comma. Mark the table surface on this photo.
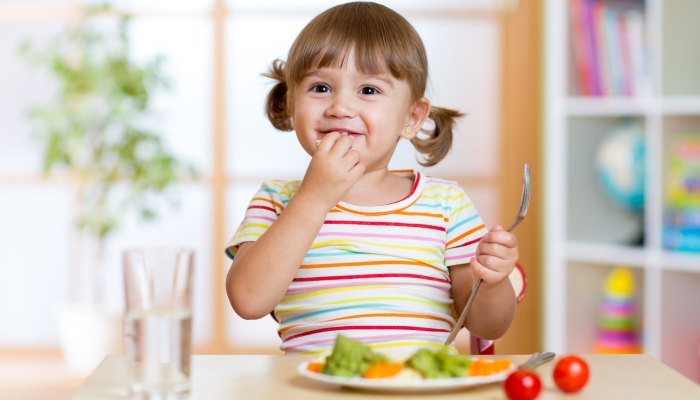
<point>273,377</point>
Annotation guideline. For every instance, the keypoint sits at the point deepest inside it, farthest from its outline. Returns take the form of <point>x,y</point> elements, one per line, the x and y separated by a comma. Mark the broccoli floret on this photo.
<point>350,358</point>
<point>439,364</point>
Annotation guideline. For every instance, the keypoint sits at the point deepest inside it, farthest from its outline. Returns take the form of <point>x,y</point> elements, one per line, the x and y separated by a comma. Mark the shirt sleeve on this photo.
<point>465,228</point>
<point>263,210</point>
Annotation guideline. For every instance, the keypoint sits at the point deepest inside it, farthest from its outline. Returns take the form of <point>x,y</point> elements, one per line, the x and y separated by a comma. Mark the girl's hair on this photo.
<point>382,42</point>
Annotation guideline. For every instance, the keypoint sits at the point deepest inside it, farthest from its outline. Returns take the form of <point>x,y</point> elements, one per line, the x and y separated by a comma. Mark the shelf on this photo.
<point>634,257</point>
<point>677,261</point>
<point>595,253</point>
<point>679,322</point>
<point>680,106</point>
<point>626,106</point>
<point>607,106</point>
<point>586,236</point>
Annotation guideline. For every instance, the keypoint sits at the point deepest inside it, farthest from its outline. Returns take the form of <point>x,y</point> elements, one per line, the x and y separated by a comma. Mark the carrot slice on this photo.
<point>382,369</point>
<point>315,367</point>
<point>502,365</point>
<point>480,367</point>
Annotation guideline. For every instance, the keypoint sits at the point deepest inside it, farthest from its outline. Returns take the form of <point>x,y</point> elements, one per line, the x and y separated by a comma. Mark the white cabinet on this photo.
<point>585,235</point>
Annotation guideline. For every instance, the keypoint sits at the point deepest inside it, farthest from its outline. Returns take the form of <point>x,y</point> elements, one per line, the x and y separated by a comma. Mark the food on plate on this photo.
<point>570,374</point>
<point>439,364</point>
<point>351,358</point>
<point>481,367</point>
<point>522,384</point>
<point>315,366</point>
<point>382,369</point>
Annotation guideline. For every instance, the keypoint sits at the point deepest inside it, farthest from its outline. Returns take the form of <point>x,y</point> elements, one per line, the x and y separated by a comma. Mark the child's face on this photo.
<point>373,109</point>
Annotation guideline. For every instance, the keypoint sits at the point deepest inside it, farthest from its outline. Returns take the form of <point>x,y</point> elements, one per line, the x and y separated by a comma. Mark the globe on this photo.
<point>620,166</point>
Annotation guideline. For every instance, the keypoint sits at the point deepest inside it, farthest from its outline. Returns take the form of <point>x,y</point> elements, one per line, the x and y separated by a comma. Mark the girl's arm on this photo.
<point>262,270</point>
<point>493,308</point>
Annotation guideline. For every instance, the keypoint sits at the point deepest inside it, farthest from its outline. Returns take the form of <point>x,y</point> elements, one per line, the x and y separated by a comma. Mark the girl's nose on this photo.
<point>341,106</point>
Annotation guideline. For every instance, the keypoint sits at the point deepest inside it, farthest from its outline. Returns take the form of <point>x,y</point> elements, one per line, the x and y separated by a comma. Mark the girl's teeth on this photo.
<point>343,133</point>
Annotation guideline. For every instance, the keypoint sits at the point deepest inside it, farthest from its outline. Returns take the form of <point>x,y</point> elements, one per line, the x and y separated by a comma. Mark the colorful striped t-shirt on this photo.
<point>375,274</point>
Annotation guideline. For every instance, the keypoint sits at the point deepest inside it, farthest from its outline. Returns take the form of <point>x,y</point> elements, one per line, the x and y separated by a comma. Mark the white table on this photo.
<point>617,377</point>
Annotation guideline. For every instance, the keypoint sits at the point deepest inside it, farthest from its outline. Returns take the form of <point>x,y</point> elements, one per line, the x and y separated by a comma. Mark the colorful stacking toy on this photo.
<point>617,325</point>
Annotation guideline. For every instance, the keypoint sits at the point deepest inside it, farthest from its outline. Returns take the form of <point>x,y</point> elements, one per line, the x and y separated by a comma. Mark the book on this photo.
<point>681,229</point>
<point>634,21</point>
<point>608,47</point>
<point>582,52</point>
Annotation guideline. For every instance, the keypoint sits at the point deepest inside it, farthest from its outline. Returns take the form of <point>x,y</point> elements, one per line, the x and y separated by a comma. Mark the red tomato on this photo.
<point>570,374</point>
<point>523,385</point>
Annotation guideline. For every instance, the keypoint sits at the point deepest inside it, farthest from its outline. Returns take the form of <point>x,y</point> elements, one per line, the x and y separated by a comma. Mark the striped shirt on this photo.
<point>375,274</point>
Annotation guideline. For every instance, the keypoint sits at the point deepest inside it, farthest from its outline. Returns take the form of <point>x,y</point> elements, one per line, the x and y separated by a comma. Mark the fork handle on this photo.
<point>538,360</point>
<point>463,316</point>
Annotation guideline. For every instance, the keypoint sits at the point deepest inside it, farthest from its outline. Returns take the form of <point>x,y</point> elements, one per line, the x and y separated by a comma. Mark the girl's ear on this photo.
<point>419,112</point>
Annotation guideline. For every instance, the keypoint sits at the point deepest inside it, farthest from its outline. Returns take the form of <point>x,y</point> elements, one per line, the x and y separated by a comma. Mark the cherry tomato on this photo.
<point>570,374</point>
<point>523,385</point>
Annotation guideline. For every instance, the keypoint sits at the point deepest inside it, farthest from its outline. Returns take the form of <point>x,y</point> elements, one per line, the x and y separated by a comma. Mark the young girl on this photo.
<point>384,257</point>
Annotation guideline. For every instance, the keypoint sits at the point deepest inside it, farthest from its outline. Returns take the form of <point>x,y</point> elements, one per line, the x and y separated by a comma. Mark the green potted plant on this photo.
<point>93,133</point>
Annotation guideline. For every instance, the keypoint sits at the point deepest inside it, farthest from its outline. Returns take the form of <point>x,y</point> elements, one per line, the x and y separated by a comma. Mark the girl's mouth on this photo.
<point>344,133</point>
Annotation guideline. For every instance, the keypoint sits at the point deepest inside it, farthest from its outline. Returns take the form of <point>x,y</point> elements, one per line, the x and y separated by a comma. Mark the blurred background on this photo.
<point>601,97</point>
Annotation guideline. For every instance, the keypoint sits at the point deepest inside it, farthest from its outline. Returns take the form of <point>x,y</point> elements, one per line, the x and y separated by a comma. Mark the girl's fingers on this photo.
<point>492,249</point>
<point>331,140</point>
<point>486,274</point>
<point>495,263</point>
<point>356,171</point>
<point>351,159</point>
<point>497,251</point>
<point>328,140</point>
<point>341,146</point>
<point>501,237</point>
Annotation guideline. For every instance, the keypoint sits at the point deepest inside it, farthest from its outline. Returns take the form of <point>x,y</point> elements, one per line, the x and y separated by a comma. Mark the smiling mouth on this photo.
<point>345,133</point>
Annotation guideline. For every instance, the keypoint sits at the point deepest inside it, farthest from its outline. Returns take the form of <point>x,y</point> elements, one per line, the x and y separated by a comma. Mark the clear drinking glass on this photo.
<point>158,321</point>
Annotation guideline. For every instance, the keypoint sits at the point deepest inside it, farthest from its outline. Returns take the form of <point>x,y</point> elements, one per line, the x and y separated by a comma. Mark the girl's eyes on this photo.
<point>369,90</point>
<point>320,88</point>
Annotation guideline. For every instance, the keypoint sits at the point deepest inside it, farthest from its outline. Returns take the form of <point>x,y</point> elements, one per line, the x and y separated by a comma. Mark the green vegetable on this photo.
<point>350,358</point>
<point>439,364</point>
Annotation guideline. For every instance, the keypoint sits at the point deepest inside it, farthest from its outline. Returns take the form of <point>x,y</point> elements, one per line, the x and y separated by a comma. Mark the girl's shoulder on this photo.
<point>441,187</point>
<point>280,189</point>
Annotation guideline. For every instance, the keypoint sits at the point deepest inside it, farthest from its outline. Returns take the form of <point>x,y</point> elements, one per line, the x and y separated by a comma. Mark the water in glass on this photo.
<point>158,322</point>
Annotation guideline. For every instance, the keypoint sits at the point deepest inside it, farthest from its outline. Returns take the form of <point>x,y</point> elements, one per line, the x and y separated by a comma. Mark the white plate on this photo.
<point>404,385</point>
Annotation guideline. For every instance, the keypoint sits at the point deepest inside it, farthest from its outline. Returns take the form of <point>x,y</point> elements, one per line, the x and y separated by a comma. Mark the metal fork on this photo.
<point>524,204</point>
<point>538,359</point>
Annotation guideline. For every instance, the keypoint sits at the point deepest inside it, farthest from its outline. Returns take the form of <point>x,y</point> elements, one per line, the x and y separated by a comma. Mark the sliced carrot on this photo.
<point>480,367</point>
<point>315,367</point>
<point>502,365</point>
<point>382,369</point>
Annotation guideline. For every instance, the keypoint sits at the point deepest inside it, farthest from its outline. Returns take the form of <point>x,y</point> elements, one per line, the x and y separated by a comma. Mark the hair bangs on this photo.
<point>380,41</point>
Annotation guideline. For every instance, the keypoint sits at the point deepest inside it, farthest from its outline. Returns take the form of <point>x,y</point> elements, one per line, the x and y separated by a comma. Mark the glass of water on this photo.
<point>158,321</point>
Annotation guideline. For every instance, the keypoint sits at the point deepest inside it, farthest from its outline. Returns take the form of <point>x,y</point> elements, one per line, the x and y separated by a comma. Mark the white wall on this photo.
<point>36,237</point>
<point>464,60</point>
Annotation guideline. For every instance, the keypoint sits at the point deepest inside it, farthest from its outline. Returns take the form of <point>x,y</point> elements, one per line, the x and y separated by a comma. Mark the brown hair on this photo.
<point>382,42</point>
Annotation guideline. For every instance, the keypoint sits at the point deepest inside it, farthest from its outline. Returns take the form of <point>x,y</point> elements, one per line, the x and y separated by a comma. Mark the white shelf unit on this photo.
<point>584,235</point>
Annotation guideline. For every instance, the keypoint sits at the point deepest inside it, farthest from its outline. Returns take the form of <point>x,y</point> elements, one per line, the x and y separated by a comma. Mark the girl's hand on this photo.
<point>496,256</point>
<point>334,169</point>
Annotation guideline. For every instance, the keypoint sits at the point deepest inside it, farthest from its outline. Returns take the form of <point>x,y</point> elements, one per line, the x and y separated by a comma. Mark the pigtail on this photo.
<point>276,105</point>
<point>439,141</point>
